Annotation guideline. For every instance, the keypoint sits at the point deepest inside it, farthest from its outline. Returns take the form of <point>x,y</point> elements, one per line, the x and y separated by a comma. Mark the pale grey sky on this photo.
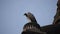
<point>12,17</point>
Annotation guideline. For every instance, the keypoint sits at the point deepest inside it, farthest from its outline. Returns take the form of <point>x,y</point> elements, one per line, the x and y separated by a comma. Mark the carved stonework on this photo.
<point>57,16</point>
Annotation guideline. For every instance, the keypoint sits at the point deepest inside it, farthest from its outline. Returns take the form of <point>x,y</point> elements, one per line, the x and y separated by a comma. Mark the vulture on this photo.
<point>31,17</point>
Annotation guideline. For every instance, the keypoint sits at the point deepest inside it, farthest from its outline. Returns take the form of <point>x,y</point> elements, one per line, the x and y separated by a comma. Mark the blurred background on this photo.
<point>12,17</point>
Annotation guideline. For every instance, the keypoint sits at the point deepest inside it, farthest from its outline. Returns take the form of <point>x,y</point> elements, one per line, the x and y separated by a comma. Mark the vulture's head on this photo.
<point>30,17</point>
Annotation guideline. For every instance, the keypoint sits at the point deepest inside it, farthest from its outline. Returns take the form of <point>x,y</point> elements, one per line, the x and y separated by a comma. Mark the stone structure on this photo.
<point>57,16</point>
<point>33,27</point>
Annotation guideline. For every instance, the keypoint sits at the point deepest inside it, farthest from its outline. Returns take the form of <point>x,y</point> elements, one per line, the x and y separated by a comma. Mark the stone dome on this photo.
<point>31,26</point>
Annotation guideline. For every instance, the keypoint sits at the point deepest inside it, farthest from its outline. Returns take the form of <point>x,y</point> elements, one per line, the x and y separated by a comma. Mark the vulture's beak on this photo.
<point>25,14</point>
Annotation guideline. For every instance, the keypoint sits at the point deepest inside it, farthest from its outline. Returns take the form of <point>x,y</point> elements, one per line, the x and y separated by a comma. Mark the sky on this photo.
<point>12,17</point>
